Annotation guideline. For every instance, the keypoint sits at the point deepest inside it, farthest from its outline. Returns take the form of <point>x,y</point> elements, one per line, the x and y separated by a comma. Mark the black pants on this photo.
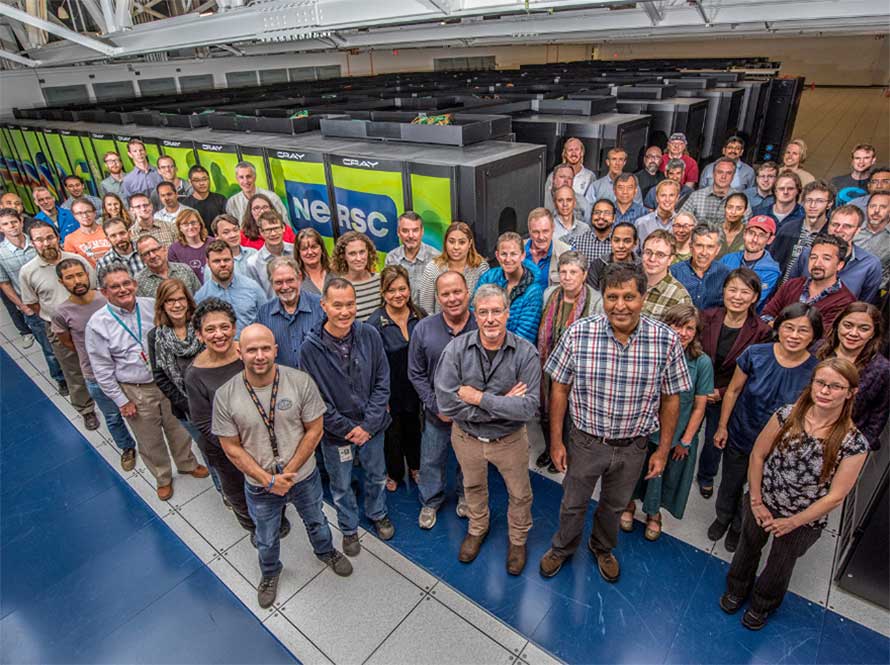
<point>769,589</point>
<point>401,443</point>
<point>732,487</point>
<point>18,319</point>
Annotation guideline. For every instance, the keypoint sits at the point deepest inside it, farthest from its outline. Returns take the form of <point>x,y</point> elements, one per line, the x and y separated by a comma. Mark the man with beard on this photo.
<point>649,175</point>
<point>676,149</point>
<point>69,324</point>
<point>158,268</point>
<point>116,337</point>
<point>114,183</point>
<point>122,248</point>
<point>75,189</point>
<point>875,235</point>
<point>242,293</point>
<point>292,314</point>
<point>42,291</point>
<point>595,243</point>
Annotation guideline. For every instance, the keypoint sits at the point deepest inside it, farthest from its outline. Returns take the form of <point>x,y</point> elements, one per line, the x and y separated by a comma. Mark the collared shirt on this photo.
<point>12,259</point>
<point>133,261</point>
<point>604,188</point>
<point>616,388</point>
<point>743,178</point>
<point>581,210</point>
<point>166,217</point>
<point>430,337</point>
<point>560,232</point>
<point>40,284</point>
<point>708,207</point>
<point>147,282</point>
<point>65,224</point>
<point>649,223</point>
<point>664,295</point>
<point>464,362</point>
<point>140,182</point>
<point>237,205</point>
<point>241,263</point>
<point>707,290</point>
<point>765,267</point>
<point>690,174</point>
<point>879,245</point>
<point>256,266</point>
<point>862,272</point>
<point>116,356</point>
<point>543,265</point>
<point>592,247</point>
<point>415,268</point>
<point>290,330</point>
<point>112,186</point>
<point>631,215</point>
<point>758,200</point>
<point>243,294</point>
<point>165,232</point>
<point>97,202</point>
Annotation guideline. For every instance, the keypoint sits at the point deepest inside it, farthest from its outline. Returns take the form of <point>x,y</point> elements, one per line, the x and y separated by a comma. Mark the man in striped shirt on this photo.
<point>625,374</point>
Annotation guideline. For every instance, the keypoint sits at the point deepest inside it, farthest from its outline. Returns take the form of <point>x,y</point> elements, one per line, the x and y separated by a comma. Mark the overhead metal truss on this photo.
<point>319,25</point>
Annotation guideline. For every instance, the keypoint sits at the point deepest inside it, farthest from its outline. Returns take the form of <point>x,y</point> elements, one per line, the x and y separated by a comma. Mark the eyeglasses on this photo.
<point>660,256</point>
<point>602,213</point>
<point>488,313</point>
<point>191,222</point>
<point>832,387</point>
<point>83,213</point>
<point>814,202</point>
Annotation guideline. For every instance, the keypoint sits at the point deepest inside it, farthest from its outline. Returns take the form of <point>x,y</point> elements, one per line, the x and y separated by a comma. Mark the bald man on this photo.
<point>269,420</point>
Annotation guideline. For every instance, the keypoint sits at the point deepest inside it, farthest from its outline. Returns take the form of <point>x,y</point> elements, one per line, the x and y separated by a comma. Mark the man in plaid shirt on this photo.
<point>708,203</point>
<point>664,290</point>
<point>625,373</point>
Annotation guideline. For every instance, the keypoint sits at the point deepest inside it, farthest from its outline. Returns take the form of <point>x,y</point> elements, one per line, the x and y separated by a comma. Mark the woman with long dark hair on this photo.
<point>250,223</point>
<point>458,254</point>
<point>726,332</point>
<point>766,377</point>
<point>395,321</point>
<point>312,258</point>
<point>355,259</point>
<point>804,463</point>
<point>857,336</point>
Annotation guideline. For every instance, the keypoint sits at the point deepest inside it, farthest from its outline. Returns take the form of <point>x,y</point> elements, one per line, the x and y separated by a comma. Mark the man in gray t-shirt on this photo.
<point>269,420</point>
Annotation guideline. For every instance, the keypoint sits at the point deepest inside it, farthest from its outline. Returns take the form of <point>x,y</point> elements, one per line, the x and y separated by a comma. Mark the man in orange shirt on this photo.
<point>89,240</point>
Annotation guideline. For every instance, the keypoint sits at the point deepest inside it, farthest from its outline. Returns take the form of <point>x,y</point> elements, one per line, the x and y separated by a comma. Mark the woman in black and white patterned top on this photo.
<point>804,463</point>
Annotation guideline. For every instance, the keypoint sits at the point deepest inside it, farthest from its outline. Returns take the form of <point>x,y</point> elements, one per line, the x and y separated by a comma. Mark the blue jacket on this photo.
<point>66,225</point>
<point>766,269</point>
<point>356,395</point>
<point>526,300</point>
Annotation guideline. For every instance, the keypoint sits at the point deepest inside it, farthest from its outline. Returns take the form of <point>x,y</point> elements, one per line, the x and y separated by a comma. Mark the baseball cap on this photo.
<point>678,136</point>
<point>764,222</point>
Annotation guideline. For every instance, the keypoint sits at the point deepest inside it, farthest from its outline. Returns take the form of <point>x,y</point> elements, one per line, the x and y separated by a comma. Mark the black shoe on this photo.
<point>284,529</point>
<point>707,491</point>
<point>754,620</point>
<point>730,603</point>
<point>732,540</point>
<point>543,459</point>
<point>267,591</point>
<point>62,388</point>
<point>717,530</point>
<point>91,422</point>
<point>552,468</point>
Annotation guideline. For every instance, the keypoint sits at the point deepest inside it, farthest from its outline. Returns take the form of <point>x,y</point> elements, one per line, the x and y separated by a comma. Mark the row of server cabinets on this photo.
<point>345,153</point>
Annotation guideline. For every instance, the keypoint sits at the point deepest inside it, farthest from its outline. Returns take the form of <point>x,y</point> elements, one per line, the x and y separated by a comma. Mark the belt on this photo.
<point>485,439</point>
<point>617,443</point>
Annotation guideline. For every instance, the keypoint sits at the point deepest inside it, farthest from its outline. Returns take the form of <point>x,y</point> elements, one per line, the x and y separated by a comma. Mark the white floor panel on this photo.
<point>207,514</point>
<point>297,643</point>
<point>534,655</point>
<point>401,564</point>
<point>862,611</point>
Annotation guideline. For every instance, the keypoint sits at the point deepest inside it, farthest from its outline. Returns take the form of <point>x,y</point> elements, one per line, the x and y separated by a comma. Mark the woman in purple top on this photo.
<point>857,336</point>
<point>191,242</point>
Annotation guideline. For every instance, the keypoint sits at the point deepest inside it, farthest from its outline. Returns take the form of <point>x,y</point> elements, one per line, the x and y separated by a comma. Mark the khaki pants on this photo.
<point>153,420</point>
<point>70,364</point>
<point>510,456</point>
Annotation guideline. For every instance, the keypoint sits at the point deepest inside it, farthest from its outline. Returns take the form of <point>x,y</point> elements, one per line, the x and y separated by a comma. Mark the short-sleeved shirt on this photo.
<point>13,259</point>
<point>91,246</point>
<point>40,284</point>
<point>791,472</point>
<point>235,414</point>
<point>71,319</point>
<point>768,387</point>
<point>617,388</point>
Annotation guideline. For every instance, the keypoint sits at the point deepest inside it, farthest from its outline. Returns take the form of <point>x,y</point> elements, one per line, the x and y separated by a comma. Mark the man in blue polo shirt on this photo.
<point>758,233</point>
<point>61,219</point>
<point>701,274</point>
<point>241,292</point>
<point>542,249</point>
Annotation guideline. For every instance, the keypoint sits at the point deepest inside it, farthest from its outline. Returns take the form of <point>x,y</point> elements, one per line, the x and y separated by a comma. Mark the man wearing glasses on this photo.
<point>595,243</point>
<point>114,183</point>
<point>144,221</point>
<point>89,240</point>
<point>759,233</point>
<point>158,268</point>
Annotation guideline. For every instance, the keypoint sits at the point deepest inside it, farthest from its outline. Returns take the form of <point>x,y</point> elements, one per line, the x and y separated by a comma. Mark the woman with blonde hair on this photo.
<point>190,246</point>
<point>355,260</point>
<point>803,465</point>
<point>458,254</point>
<point>312,258</point>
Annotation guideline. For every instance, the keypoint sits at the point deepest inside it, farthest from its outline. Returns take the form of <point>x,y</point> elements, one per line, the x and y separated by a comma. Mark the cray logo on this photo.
<point>209,147</point>
<point>172,144</point>
<point>362,163</point>
<point>295,156</point>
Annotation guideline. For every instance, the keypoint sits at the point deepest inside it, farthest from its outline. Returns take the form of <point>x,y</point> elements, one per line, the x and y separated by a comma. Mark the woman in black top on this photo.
<point>726,332</point>
<point>395,322</point>
<point>214,325</point>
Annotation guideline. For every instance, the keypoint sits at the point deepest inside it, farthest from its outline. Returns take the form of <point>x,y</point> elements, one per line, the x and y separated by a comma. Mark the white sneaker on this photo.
<point>27,341</point>
<point>427,518</point>
<point>462,509</point>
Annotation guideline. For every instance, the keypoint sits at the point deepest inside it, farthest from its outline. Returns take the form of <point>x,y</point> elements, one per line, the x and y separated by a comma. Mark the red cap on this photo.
<point>764,222</point>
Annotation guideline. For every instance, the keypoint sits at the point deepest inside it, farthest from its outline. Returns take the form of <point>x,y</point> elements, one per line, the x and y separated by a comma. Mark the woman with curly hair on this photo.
<point>312,258</point>
<point>250,223</point>
<point>459,254</point>
<point>355,260</point>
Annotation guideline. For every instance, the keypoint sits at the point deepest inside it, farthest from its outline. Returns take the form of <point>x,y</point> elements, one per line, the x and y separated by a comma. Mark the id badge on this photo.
<point>345,453</point>
<point>279,467</point>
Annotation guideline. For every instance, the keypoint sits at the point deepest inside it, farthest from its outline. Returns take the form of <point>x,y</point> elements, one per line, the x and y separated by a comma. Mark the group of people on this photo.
<point>623,331</point>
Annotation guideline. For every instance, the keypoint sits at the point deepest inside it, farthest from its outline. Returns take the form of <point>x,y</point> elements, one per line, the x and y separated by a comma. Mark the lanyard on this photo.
<point>268,418</point>
<point>137,339</point>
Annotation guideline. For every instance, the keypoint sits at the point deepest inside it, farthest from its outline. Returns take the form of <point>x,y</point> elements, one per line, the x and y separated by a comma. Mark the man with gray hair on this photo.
<point>702,274</point>
<point>709,203</point>
<point>245,174</point>
<point>293,313</point>
<point>488,382</point>
<point>563,175</point>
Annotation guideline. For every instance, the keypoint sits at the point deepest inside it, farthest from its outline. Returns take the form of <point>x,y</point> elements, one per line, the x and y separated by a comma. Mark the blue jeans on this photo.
<point>112,415</point>
<point>435,444</point>
<point>370,456</point>
<point>196,436</point>
<point>266,509</point>
<point>38,329</point>
<point>709,461</point>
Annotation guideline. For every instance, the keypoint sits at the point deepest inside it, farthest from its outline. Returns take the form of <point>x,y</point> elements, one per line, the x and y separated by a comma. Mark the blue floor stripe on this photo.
<point>90,574</point>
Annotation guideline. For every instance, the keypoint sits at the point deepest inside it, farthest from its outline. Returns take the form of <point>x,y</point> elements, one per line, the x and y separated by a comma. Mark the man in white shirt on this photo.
<point>245,174</point>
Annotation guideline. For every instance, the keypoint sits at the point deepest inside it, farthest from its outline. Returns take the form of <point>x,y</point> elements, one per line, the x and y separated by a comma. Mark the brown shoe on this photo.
<point>551,563</point>
<point>608,565</point>
<point>165,492</point>
<point>515,559</point>
<point>469,549</point>
<point>199,471</point>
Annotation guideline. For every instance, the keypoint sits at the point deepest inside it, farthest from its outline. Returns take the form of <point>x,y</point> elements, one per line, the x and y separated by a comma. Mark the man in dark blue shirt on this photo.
<point>701,274</point>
